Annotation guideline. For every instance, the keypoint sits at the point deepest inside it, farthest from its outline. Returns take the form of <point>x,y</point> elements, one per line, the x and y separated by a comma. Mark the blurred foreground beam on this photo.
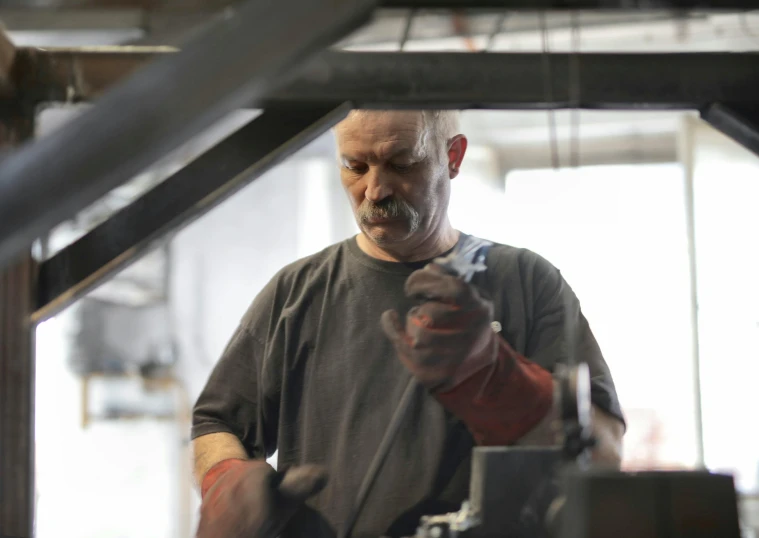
<point>230,65</point>
<point>188,194</point>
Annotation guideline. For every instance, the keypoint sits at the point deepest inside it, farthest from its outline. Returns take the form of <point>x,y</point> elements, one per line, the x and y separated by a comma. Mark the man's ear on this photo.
<point>456,151</point>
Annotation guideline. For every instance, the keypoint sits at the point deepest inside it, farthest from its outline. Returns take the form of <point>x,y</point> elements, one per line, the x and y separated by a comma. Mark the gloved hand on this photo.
<point>248,499</point>
<point>448,337</point>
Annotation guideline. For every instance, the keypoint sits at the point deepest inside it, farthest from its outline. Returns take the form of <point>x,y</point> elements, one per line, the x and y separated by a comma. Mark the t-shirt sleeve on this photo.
<point>559,332</point>
<point>233,399</point>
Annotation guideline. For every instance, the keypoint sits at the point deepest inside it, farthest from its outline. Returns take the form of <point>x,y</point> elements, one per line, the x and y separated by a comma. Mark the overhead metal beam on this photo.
<point>452,79</point>
<point>741,123</point>
<point>177,5</point>
<point>180,199</point>
<point>190,5</point>
<point>79,74</point>
<point>25,19</point>
<point>232,64</point>
<point>518,81</point>
<point>570,4</point>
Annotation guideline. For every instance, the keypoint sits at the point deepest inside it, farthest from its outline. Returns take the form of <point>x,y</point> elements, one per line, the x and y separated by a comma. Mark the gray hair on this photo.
<point>443,124</point>
<point>440,125</point>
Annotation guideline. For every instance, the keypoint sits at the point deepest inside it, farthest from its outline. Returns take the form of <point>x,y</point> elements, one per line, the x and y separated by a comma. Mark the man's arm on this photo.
<point>607,430</point>
<point>208,450</point>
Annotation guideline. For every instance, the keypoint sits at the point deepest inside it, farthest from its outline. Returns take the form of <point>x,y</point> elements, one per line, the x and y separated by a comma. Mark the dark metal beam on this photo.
<point>7,59</point>
<point>74,74</point>
<point>232,64</point>
<point>741,123</point>
<point>452,79</point>
<point>180,199</point>
<point>17,399</point>
<point>518,81</point>
<point>17,294</point>
<point>570,4</point>
<point>190,5</point>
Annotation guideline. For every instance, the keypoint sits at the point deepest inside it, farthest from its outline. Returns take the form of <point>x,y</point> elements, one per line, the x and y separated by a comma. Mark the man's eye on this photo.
<point>402,167</point>
<point>355,167</point>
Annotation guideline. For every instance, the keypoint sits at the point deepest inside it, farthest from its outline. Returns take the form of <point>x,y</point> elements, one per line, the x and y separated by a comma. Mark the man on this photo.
<point>322,356</point>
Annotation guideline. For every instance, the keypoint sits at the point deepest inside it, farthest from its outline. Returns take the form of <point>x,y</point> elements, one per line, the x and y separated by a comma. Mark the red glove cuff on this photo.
<point>215,472</point>
<point>502,403</point>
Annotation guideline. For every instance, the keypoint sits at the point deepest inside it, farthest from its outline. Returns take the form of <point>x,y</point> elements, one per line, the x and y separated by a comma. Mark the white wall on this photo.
<point>110,480</point>
<point>726,191</point>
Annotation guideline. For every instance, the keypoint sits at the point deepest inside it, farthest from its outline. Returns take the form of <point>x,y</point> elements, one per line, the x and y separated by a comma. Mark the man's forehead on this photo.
<point>385,130</point>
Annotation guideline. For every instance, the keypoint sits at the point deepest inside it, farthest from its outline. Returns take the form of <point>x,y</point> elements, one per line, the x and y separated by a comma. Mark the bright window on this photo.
<point>618,235</point>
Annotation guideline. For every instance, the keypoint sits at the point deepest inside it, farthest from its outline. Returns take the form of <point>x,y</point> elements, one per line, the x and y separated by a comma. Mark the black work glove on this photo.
<point>448,337</point>
<point>248,499</point>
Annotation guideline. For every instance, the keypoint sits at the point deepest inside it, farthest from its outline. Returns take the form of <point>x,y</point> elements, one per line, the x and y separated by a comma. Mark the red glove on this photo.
<point>248,499</point>
<point>449,345</point>
<point>447,338</point>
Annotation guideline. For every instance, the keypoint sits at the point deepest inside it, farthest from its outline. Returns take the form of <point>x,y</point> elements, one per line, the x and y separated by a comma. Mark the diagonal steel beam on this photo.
<point>741,123</point>
<point>231,65</point>
<point>180,199</point>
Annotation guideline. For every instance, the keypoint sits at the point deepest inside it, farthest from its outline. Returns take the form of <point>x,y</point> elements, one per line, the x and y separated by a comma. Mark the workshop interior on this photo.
<point>163,159</point>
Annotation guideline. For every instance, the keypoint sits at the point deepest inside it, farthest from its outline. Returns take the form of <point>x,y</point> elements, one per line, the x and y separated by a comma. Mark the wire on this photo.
<point>407,29</point>
<point>574,91</point>
<point>548,91</point>
<point>497,29</point>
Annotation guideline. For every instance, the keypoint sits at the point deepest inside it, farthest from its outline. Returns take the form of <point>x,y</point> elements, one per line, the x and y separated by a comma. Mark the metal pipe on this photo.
<point>230,66</point>
<point>687,157</point>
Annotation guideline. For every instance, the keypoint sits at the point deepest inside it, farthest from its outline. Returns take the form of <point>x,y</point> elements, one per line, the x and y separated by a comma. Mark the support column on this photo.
<point>686,158</point>
<point>17,399</point>
<point>17,301</point>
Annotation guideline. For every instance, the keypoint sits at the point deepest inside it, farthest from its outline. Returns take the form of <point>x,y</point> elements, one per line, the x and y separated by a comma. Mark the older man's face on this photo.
<point>395,173</point>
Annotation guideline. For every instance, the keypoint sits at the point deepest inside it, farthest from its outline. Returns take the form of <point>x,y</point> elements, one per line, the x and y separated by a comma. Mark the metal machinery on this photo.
<point>270,55</point>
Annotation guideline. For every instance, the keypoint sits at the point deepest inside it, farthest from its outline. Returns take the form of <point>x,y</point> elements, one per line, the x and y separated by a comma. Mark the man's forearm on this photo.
<point>515,401</point>
<point>210,449</point>
<point>607,430</point>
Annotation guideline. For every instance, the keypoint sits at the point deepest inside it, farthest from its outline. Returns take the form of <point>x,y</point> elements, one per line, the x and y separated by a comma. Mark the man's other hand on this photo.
<point>448,337</point>
<point>248,499</point>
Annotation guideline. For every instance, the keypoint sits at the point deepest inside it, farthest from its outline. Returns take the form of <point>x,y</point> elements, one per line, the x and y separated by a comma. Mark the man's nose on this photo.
<point>377,187</point>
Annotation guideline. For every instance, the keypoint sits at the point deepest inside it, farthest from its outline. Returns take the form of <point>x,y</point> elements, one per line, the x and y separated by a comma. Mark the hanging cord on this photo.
<point>574,91</point>
<point>407,29</point>
<point>548,92</point>
<point>497,29</point>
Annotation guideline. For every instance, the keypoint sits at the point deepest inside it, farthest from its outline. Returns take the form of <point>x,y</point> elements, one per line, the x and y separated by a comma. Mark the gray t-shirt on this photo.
<point>310,373</point>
